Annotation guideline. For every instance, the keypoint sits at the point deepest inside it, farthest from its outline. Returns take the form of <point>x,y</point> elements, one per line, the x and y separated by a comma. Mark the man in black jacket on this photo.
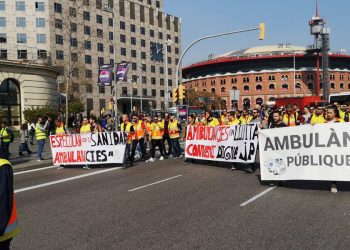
<point>8,217</point>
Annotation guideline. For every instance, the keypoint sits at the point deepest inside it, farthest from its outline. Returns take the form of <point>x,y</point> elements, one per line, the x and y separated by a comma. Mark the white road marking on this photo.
<point>65,180</point>
<point>257,196</point>
<point>33,170</point>
<point>154,183</point>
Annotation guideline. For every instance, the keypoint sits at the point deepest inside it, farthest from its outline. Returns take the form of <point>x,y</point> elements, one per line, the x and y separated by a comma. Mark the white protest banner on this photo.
<point>223,143</point>
<point>80,149</point>
<point>319,152</point>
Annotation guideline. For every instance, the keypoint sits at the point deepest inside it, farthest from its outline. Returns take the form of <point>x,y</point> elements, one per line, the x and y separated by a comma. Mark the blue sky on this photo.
<point>286,22</point>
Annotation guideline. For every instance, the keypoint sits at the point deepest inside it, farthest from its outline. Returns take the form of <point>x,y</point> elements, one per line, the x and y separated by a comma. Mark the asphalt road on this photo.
<point>195,206</point>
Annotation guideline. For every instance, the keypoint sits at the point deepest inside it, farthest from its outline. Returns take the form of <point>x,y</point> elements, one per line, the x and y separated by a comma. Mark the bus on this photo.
<point>341,98</point>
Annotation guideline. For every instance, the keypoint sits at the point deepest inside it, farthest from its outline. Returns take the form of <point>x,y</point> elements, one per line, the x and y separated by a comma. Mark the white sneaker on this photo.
<point>59,167</point>
<point>38,160</point>
<point>233,168</point>
<point>334,189</point>
<point>180,156</point>
<point>86,167</point>
<point>161,158</point>
<point>150,160</point>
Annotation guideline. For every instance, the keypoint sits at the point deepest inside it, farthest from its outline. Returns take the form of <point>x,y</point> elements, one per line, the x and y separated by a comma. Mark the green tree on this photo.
<point>75,105</point>
<point>205,100</point>
<point>32,114</point>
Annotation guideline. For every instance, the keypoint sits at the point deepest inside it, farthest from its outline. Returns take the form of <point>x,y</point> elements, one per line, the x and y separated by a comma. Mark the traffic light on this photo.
<point>181,92</point>
<point>175,95</point>
<point>262,31</point>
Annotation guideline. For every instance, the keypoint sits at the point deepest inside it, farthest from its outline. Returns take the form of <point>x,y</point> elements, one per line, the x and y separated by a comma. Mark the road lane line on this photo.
<point>154,183</point>
<point>65,180</point>
<point>33,170</point>
<point>257,196</point>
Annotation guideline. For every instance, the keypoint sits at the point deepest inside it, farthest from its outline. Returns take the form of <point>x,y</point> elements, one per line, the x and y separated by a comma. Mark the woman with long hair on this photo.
<point>24,139</point>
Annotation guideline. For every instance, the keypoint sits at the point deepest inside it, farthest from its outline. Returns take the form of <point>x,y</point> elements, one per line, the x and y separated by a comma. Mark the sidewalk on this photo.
<point>29,161</point>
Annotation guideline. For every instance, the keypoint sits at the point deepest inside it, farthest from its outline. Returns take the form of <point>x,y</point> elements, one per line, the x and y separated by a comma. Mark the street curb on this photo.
<point>24,168</point>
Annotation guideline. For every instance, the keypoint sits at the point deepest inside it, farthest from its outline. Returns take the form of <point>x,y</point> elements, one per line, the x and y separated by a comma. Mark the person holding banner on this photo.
<point>157,139</point>
<point>333,116</point>
<point>166,136</point>
<point>95,127</point>
<point>174,133</point>
<point>40,132</point>
<point>290,118</point>
<point>60,127</point>
<point>318,117</point>
<point>127,127</point>
<point>85,129</point>
<point>210,120</point>
<point>232,121</point>
<point>245,118</point>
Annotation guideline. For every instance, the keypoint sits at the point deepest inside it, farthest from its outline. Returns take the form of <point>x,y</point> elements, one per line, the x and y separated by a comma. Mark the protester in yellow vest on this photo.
<point>232,120</point>
<point>174,133</point>
<point>211,121</point>
<point>245,118</point>
<point>8,212</point>
<point>138,137</point>
<point>290,118</point>
<point>157,139</point>
<point>5,136</point>
<point>85,127</point>
<point>318,117</point>
<point>60,128</point>
<point>127,127</point>
<point>40,133</point>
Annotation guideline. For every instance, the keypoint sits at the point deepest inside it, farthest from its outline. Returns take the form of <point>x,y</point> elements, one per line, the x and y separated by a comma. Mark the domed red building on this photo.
<point>264,73</point>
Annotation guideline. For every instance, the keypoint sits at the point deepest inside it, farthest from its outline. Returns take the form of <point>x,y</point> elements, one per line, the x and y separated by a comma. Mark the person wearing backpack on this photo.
<point>6,137</point>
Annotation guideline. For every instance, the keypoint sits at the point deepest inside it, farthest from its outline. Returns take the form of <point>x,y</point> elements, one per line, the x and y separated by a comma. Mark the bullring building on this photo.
<point>264,73</point>
<point>39,38</point>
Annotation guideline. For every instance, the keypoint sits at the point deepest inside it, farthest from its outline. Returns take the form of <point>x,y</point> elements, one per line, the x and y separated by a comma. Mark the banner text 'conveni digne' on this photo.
<point>222,143</point>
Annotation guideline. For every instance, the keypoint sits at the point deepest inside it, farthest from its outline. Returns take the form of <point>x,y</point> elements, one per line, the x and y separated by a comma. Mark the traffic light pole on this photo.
<point>261,28</point>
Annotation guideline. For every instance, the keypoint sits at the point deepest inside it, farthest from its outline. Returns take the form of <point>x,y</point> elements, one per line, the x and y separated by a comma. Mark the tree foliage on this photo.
<point>205,100</point>
<point>32,114</point>
<point>75,106</point>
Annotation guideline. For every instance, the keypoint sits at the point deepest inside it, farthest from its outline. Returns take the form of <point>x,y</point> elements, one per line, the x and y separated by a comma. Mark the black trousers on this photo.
<point>134,146</point>
<point>5,245</point>
<point>166,138</point>
<point>154,144</point>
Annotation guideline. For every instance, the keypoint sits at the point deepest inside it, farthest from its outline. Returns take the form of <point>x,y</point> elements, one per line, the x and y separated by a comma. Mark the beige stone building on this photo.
<point>80,35</point>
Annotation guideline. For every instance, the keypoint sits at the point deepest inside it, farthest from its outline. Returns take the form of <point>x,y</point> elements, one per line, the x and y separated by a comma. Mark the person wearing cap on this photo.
<point>157,139</point>
<point>8,213</point>
<point>174,133</point>
<point>5,136</point>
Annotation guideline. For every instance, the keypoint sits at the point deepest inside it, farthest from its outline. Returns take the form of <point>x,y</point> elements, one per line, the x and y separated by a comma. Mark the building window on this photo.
<point>21,22</point>
<point>86,15</point>
<point>124,91</point>
<point>3,54</point>
<point>272,87</point>
<point>99,19</point>
<point>151,33</point>
<point>59,55</point>
<point>246,88</point>
<point>72,12</point>
<point>154,93</point>
<point>87,45</point>
<point>285,86</point>
<point>123,51</point>
<point>73,42</point>
<point>143,31</point>
<point>153,81</point>
<point>57,7</point>
<point>133,66</point>
<point>40,6</point>
<point>100,61</point>
<point>177,51</point>
<point>258,79</point>
<point>87,59</point>
<point>2,6</point>
<point>332,85</point>
<point>88,73</point>
<point>284,78</point>
<point>161,82</point>
<point>42,54</point>
<point>111,49</point>
<point>122,38</point>
<point>111,36</point>
<point>144,79</point>
<point>258,87</point>
<point>161,70</point>
<point>74,57</point>
<point>100,47</point>
<point>58,24</point>
<point>3,38</point>
<point>162,94</point>
<point>133,53</point>
<point>21,38</point>
<point>59,39</point>
<point>133,40</point>
<point>110,22</point>
<point>122,25</point>
<point>2,21</point>
<point>170,82</point>
<point>101,89</point>
<point>144,92</point>
<point>22,54</point>
<point>99,33</point>
<point>223,90</point>
<point>143,43</point>
<point>20,6</point>
<point>87,30</point>
<point>212,90</point>
<point>88,88</point>
<point>41,38</point>
<point>310,86</point>
<point>271,78</point>
<point>121,8</point>
<point>132,28</point>
<point>153,69</point>
<point>143,55</point>
<point>40,22</point>
<point>341,85</point>
<point>298,85</point>
<point>73,27</point>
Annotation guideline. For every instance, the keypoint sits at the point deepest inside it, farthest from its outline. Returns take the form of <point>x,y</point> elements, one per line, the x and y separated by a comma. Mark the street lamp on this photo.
<point>261,28</point>
<point>168,43</point>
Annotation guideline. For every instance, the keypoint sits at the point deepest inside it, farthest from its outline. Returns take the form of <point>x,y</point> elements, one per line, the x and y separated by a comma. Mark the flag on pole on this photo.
<point>122,71</point>
<point>105,74</point>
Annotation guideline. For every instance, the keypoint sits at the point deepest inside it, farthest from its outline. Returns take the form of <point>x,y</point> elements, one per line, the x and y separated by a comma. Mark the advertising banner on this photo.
<point>81,149</point>
<point>122,72</point>
<point>223,143</point>
<point>183,112</point>
<point>105,75</point>
<point>319,152</point>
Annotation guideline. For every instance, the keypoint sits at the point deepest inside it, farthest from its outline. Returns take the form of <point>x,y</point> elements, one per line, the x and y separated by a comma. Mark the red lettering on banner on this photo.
<point>200,133</point>
<point>70,157</point>
<point>66,141</point>
<point>201,151</point>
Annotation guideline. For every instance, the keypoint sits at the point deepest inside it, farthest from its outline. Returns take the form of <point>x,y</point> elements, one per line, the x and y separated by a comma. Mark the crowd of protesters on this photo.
<point>163,133</point>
